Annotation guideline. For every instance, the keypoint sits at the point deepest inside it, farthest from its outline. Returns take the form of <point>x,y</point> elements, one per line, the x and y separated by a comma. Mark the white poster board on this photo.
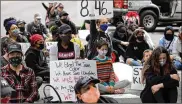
<point>49,44</point>
<point>136,80</point>
<point>83,34</point>
<point>65,73</point>
<point>24,47</point>
<point>94,9</point>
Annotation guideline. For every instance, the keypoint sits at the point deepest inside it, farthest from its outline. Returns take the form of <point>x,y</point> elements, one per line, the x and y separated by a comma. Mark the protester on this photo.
<point>35,58</point>
<point>12,30</point>
<point>65,49</point>
<point>21,26</point>
<point>161,78</point>
<point>20,77</point>
<point>146,55</point>
<point>106,73</point>
<point>54,32</point>
<point>36,27</point>
<point>86,92</point>
<point>136,48</point>
<point>6,91</point>
<point>98,34</point>
<point>4,54</point>
<point>177,51</point>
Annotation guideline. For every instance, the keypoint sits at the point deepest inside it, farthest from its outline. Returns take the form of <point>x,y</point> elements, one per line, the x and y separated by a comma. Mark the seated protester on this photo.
<point>86,25</point>
<point>146,55</point>
<point>97,34</point>
<point>4,54</point>
<point>136,48</point>
<point>177,51</point>
<point>21,26</point>
<point>6,91</point>
<point>106,73</point>
<point>36,59</point>
<point>86,91</point>
<point>54,32</point>
<point>64,19</point>
<point>161,78</point>
<point>13,31</point>
<point>65,49</point>
<point>20,77</point>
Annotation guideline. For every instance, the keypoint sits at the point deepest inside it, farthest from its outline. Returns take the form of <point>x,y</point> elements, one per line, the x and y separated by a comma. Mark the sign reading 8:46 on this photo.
<point>95,9</point>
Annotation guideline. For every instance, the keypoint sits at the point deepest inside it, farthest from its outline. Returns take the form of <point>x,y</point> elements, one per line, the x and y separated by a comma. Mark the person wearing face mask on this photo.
<point>136,48</point>
<point>106,73</point>
<point>86,91</point>
<point>12,30</point>
<point>177,51</point>
<point>160,77</point>
<point>20,77</point>
<point>36,27</point>
<point>97,34</point>
<point>65,49</point>
<point>168,41</point>
<point>35,57</point>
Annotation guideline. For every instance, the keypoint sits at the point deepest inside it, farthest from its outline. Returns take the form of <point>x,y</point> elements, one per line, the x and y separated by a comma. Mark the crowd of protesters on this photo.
<point>25,73</point>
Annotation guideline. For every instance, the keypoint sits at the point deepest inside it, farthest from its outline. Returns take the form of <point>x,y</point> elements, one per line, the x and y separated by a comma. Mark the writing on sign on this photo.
<point>95,9</point>
<point>136,78</point>
<point>65,73</point>
<point>49,44</point>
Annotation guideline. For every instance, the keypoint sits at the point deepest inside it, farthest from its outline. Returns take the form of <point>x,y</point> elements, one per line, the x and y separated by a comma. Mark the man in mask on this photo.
<point>13,31</point>
<point>36,27</point>
<point>20,77</point>
<point>35,57</point>
<point>86,91</point>
<point>169,39</point>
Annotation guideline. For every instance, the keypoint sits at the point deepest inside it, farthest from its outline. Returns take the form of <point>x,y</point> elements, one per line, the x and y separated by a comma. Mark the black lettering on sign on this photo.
<point>66,73</point>
<point>90,73</point>
<point>78,63</point>
<point>63,87</point>
<point>68,65</point>
<point>135,80</point>
<point>58,65</point>
<point>74,69</point>
<point>76,73</point>
<point>100,7</point>
<point>67,96</point>
<point>84,8</point>
<point>58,73</point>
<point>136,71</point>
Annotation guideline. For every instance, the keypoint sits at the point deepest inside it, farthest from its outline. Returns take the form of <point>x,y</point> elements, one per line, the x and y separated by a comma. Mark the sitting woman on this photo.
<point>161,78</point>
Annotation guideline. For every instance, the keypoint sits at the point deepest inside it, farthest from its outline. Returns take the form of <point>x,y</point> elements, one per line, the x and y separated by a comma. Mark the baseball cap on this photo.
<point>5,88</point>
<point>64,29</point>
<point>14,47</point>
<point>82,82</point>
<point>63,13</point>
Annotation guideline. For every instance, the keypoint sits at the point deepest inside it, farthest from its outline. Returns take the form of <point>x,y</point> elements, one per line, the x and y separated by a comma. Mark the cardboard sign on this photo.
<point>136,80</point>
<point>24,47</point>
<point>65,73</point>
<point>94,9</point>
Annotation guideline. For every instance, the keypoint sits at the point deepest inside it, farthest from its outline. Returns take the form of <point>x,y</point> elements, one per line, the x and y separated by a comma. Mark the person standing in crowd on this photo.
<point>65,49</point>
<point>12,30</point>
<point>36,27</point>
<point>161,78</point>
<point>86,91</point>
<point>136,48</point>
<point>21,26</point>
<point>6,91</point>
<point>106,73</point>
<point>177,51</point>
<point>36,59</point>
<point>20,77</point>
<point>98,34</point>
<point>4,45</point>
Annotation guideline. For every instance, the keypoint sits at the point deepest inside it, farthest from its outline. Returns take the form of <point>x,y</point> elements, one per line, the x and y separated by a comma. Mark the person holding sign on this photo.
<point>105,71</point>
<point>87,92</point>
<point>161,78</point>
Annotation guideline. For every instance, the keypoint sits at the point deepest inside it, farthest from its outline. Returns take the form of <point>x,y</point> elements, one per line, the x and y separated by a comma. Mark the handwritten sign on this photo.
<point>95,9</point>
<point>65,73</point>
<point>24,47</point>
<point>49,44</point>
<point>136,81</point>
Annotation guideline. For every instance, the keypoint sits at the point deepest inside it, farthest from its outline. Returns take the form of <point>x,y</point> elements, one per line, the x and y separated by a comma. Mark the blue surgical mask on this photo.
<point>104,27</point>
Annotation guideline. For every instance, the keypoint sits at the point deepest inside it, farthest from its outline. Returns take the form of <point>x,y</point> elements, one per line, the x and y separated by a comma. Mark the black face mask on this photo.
<point>169,37</point>
<point>15,61</point>
<point>65,39</point>
<point>41,46</point>
<point>64,20</point>
<point>121,35</point>
<point>140,38</point>
<point>22,29</point>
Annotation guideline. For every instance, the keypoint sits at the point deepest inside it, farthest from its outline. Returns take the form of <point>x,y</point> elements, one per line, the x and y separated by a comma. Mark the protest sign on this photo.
<point>136,80</point>
<point>24,47</point>
<point>94,9</point>
<point>65,73</point>
<point>83,34</point>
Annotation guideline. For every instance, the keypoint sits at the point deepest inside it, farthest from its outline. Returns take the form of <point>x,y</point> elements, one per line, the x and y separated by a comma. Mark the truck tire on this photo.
<point>148,20</point>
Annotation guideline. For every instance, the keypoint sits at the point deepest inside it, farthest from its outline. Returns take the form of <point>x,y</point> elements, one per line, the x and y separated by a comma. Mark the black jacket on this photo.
<point>36,60</point>
<point>103,99</point>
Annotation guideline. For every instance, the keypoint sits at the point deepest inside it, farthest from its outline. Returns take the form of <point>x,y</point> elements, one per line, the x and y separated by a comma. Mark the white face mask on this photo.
<point>162,62</point>
<point>102,53</point>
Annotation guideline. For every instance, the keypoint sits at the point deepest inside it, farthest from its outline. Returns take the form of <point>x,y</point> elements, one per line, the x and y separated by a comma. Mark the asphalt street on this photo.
<point>26,9</point>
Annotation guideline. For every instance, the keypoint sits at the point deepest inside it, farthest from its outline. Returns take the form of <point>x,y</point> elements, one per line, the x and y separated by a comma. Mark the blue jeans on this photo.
<point>135,62</point>
<point>177,64</point>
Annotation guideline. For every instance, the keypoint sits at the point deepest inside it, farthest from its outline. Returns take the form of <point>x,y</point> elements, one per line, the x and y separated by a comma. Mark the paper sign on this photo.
<point>49,44</point>
<point>94,9</point>
<point>65,73</point>
<point>136,80</point>
<point>83,34</point>
<point>24,47</point>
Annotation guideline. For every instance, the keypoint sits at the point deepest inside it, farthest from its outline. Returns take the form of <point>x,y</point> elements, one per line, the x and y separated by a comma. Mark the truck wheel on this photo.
<point>149,20</point>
